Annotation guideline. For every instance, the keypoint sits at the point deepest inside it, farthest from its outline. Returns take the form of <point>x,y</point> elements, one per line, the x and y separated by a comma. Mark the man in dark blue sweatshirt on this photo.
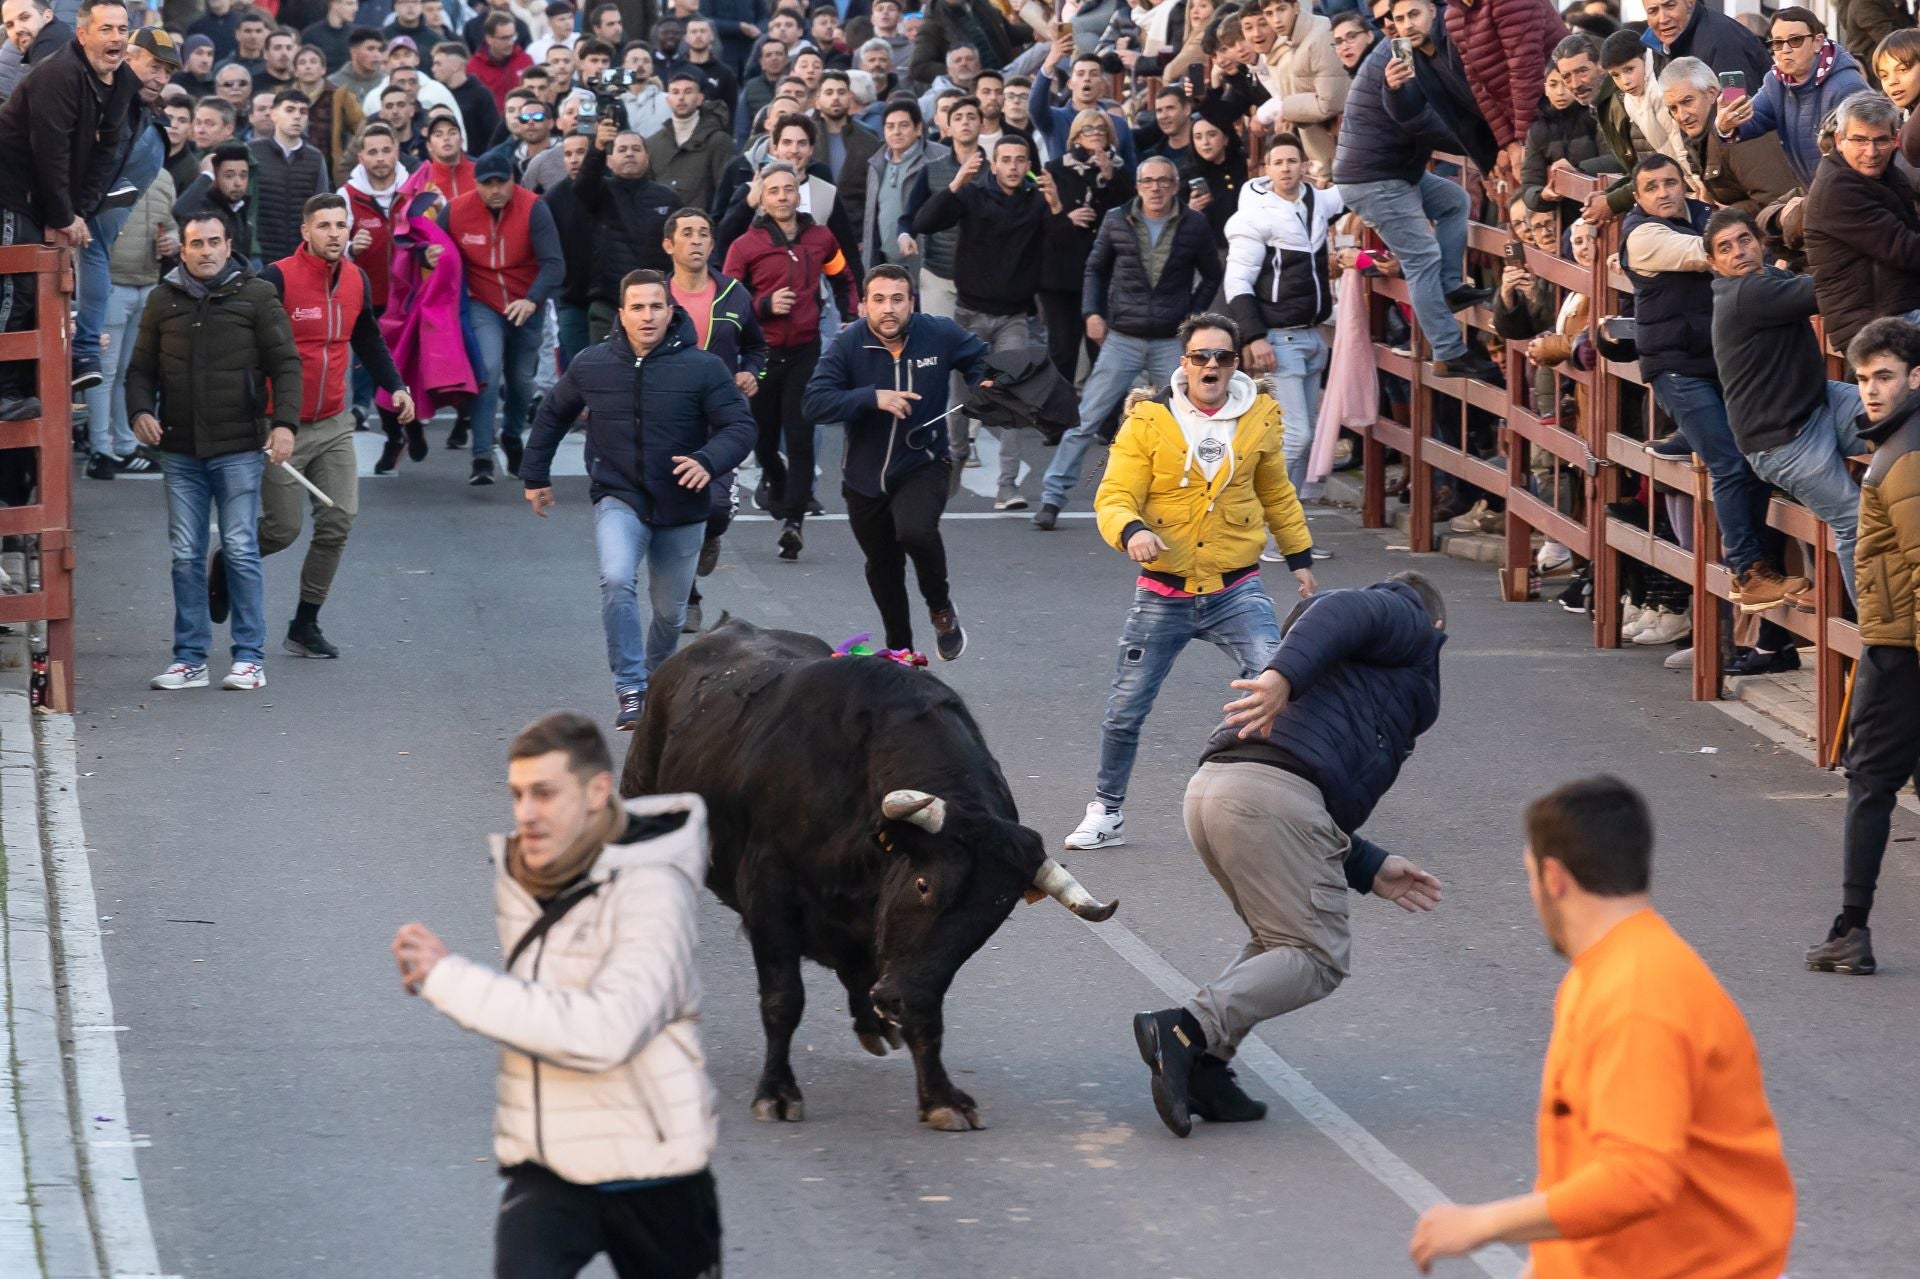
<point>886,377</point>
<point>1275,811</point>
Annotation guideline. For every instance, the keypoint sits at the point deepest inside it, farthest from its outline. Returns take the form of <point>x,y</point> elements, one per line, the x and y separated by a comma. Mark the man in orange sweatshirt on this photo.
<point>1658,1154</point>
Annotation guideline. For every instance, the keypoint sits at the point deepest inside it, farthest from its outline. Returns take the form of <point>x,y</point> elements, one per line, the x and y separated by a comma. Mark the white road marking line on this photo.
<point>118,1195</point>
<point>754,517</point>
<point>1391,1171</point>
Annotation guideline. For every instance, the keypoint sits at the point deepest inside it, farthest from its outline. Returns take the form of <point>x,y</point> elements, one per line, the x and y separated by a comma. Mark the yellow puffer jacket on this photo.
<point>1209,528</point>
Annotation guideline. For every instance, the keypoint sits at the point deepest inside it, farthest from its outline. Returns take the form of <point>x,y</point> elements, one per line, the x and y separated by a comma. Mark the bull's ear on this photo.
<point>1022,848</point>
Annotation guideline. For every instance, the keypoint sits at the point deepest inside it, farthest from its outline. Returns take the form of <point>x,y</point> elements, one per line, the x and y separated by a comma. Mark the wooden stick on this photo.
<point>1840,729</point>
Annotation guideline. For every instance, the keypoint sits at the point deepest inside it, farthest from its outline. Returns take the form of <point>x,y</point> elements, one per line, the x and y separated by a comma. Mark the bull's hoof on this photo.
<point>784,1106</point>
<point>953,1119</point>
<point>873,1043</point>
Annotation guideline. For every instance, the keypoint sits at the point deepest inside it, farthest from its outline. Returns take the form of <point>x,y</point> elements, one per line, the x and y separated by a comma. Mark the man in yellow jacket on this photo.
<point>1196,480</point>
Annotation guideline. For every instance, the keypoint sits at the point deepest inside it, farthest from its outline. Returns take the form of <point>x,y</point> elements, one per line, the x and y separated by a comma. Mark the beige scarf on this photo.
<point>576,860</point>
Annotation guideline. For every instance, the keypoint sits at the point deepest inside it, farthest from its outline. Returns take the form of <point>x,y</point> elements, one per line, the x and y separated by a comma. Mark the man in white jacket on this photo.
<point>605,1124</point>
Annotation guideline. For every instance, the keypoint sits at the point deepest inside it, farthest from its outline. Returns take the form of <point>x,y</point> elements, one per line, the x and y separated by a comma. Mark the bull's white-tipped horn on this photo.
<point>929,812</point>
<point>1057,882</point>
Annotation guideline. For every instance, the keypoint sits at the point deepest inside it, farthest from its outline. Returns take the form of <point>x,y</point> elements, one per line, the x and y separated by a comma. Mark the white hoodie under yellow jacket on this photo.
<point>601,1073</point>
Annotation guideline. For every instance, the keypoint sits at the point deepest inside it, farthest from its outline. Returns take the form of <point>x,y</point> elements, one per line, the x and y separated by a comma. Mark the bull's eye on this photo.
<point>923,886</point>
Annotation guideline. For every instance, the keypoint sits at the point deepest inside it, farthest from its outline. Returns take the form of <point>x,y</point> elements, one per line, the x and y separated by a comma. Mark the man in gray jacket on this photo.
<point>886,234</point>
<point>605,1124</point>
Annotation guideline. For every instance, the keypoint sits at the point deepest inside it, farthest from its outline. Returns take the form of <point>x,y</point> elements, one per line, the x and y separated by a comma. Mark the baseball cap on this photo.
<point>159,42</point>
<point>492,165</point>
<point>403,42</point>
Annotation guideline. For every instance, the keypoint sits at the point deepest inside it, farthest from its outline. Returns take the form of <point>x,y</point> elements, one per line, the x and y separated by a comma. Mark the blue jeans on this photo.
<point>1812,469</point>
<point>670,555</point>
<point>91,284</point>
<point>1430,256</point>
<point>1240,622</point>
<point>1739,497</point>
<point>107,428</point>
<point>194,486</point>
<point>570,331</point>
<point>511,354</point>
<point>1122,359</point>
<point>1300,357</point>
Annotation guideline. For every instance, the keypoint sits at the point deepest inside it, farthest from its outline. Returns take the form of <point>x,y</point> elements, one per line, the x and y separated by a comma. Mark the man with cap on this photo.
<point>514,266</point>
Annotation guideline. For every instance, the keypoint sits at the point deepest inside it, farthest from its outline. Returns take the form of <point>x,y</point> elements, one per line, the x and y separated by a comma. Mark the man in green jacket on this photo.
<point>215,349</point>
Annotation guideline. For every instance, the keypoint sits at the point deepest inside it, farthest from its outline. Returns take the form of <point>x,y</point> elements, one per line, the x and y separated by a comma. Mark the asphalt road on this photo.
<point>255,852</point>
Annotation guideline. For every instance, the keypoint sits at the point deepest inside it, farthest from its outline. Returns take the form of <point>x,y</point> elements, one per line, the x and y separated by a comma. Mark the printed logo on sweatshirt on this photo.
<point>927,362</point>
<point>1210,450</point>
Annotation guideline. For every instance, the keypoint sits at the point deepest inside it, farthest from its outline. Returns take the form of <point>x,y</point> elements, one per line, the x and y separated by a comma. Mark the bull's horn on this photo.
<point>1057,882</point>
<point>929,812</point>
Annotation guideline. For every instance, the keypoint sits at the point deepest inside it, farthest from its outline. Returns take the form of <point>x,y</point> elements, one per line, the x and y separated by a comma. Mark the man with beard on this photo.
<point>718,83</point>
<point>331,305</point>
<point>887,377</point>
<point>691,153</point>
<point>225,186</point>
<point>844,146</point>
<point>370,192</point>
<point>32,34</point>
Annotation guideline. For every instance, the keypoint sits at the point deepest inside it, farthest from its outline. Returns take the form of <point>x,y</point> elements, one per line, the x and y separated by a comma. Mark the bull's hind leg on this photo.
<point>942,1105</point>
<point>874,1033</point>
<point>783,997</point>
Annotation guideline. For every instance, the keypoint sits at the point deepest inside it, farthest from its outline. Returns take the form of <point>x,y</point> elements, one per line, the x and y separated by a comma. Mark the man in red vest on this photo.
<point>330,302</point>
<point>512,253</point>
<point>370,192</point>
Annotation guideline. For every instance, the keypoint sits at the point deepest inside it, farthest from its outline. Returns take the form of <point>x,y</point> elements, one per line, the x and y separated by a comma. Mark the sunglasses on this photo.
<point>532,117</point>
<point>1787,42</point>
<point>1212,356</point>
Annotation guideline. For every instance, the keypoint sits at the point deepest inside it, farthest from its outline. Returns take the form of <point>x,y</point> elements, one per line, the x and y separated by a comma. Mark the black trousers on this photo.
<point>1066,332</point>
<point>904,524</point>
<point>17,310</point>
<point>1883,752</point>
<point>550,1228</point>
<point>776,408</point>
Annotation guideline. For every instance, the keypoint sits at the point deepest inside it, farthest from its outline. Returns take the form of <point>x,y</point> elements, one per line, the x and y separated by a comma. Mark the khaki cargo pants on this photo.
<point>323,452</point>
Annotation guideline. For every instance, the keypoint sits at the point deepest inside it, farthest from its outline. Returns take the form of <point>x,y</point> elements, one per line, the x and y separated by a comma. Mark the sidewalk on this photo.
<point>71,1206</point>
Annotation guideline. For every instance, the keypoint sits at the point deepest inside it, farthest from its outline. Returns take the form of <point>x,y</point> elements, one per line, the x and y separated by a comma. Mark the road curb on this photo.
<point>85,1206</point>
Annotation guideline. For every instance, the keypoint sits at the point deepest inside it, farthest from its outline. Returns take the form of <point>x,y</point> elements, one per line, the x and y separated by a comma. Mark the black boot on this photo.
<point>1215,1095</point>
<point>791,543</point>
<point>462,433</point>
<point>390,452</point>
<point>1171,1043</point>
<point>515,449</point>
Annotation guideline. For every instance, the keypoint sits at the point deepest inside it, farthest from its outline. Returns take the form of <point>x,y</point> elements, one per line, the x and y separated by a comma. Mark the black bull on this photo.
<point>858,820</point>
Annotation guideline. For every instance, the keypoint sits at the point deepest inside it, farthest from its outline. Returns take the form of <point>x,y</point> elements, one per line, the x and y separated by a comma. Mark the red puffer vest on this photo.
<point>324,303</point>
<point>499,254</point>
<point>376,259</point>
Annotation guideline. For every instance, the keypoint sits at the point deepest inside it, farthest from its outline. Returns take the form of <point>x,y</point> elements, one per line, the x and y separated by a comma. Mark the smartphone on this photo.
<point>1733,86</point>
<point>1403,48</point>
<point>1063,31</point>
<point>1515,252</point>
<point>1196,186</point>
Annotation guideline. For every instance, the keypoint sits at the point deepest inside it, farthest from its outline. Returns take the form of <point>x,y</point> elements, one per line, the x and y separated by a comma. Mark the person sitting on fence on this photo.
<point>1666,259</point>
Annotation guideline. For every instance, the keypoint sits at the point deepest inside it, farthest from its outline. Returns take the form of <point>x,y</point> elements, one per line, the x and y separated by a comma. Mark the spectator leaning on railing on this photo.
<point>1863,235</point>
<point>1577,58</point>
<point>1811,75</point>
<point>1746,175</point>
<point>1689,29</point>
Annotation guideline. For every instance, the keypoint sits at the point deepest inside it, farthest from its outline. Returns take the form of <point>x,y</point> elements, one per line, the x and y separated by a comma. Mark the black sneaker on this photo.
<point>791,543</point>
<point>217,601</point>
<point>814,507</point>
<point>515,449</point>
<point>1170,1042</point>
<point>949,640</point>
<point>307,641</point>
<point>1758,661</point>
<point>461,436</point>
<point>390,455</point>
<point>690,624</point>
<point>632,702</point>
<point>102,467</point>
<point>1046,517</point>
<point>360,416</point>
<point>416,435</point>
<point>1473,364</point>
<point>1575,598</point>
<point>709,558</point>
<point>19,408</point>
<point>86,373</point>
<point>482,472</point>
<point>138,462</point>
<point>1215,1095</point>
<point>763,494</point>
<point>1844,951</point>
<point>1466,295</point>
<point>1673,446</point>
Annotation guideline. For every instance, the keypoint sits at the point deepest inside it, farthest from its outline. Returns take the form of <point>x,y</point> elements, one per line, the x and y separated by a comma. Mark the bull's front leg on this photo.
<point>942,1106</point>
<point>783,997</point>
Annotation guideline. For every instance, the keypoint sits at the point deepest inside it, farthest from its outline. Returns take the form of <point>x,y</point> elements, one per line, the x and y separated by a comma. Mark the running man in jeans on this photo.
<point>886,377</point>
<point>1196,479</point>
<point>648,381</point>
<point>212,340</point>
<point>330,302</point>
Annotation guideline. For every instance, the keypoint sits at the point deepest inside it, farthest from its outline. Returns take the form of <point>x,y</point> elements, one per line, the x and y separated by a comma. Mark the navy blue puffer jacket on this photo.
<point>677,401</point>
<point>1364,669</point>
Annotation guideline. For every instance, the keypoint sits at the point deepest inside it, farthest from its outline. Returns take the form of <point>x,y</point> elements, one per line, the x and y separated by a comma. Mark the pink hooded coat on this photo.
<point>422,320</point>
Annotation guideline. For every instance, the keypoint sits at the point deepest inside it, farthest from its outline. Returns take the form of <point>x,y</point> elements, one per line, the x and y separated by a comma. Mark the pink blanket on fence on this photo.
<point>1352,397</point>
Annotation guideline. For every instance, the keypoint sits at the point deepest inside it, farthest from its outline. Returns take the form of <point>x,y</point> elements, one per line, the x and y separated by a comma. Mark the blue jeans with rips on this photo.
<point>107,428</point>
<point>1122,359</point>
<point>1430,255</point>
<point>195,486</point>
<point>1812,469</point>
<point>1238,621</point>
<point>670,553</point>
<point>1739,496</point>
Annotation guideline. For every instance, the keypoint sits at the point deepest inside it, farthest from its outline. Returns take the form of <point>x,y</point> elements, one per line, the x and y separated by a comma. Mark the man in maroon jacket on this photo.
<point>1505,46</point>
<point>330,302</point>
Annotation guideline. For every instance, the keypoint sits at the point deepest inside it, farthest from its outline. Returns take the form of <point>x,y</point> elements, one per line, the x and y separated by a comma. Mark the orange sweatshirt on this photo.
<point>1658,1153</point>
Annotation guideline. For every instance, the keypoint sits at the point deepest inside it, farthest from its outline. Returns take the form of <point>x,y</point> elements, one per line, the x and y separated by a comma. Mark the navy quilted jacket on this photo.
<point>1364,668</point>
<point>678,401</point>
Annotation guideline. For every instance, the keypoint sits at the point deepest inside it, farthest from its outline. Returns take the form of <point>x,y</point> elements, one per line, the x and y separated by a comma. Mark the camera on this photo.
<point>606,89</point>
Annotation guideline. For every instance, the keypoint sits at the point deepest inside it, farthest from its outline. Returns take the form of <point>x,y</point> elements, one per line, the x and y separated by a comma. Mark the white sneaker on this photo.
<point>1632,618</point>
<point>1680,659</point>
<point>1667,627</point>
<point>178,676</point>
<point>1098,829</point>
<point>245,676</point>
<point>1552,557</point>
<point>1273,555</point>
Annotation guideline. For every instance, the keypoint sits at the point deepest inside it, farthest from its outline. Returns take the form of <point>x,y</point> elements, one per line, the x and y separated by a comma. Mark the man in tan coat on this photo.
<point>1308,83</point>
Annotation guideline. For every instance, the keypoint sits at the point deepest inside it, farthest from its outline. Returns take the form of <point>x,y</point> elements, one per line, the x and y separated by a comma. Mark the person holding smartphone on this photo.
<point>1811,76</point>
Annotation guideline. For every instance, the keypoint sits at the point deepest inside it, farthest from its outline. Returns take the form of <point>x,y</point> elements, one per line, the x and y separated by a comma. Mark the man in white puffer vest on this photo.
<point>605,1121</point>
